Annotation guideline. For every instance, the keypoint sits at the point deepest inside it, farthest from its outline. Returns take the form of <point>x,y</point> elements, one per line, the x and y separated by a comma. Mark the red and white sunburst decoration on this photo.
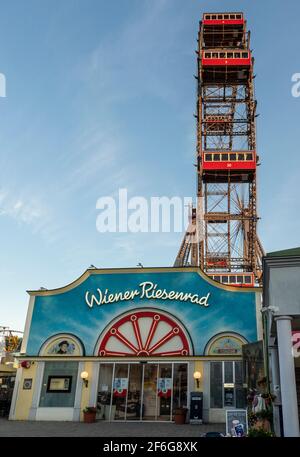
<point>144,333</point>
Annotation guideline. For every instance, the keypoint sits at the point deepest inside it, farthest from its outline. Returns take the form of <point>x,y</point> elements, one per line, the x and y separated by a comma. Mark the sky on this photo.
<point>100,95</point>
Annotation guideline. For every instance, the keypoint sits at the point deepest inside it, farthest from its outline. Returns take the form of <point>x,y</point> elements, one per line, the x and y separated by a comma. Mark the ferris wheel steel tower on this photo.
<point>222,234</point>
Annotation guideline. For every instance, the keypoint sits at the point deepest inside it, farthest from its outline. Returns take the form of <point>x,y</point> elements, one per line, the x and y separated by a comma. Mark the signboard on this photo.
<point>120,387</point>
<point>164,387</point>
<point>253,361</point>
<point>226,345</point>
<point>27,384</point>
<point>236,422</point>
<point>59,384</point>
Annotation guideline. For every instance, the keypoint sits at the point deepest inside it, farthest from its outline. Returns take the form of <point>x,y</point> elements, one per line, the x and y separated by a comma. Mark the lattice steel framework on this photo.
<point>222,235</point>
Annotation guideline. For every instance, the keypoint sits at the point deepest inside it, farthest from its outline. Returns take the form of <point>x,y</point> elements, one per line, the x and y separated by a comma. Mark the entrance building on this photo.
<point>135,343</point>
<point>282,332</point>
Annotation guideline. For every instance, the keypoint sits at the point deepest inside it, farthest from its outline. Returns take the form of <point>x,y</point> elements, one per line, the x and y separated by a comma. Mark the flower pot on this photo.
<point>262,424</point>
<point>89,417</point>
<point>180,416</point>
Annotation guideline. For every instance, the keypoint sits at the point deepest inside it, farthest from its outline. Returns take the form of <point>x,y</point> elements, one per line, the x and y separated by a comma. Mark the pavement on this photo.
<point>105,429</point>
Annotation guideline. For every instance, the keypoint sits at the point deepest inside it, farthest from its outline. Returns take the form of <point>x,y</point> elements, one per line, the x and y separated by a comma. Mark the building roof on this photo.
<point>285,253</point>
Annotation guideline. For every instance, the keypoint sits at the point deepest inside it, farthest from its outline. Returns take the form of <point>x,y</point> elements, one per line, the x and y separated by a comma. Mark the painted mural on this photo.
<point>163,311</point>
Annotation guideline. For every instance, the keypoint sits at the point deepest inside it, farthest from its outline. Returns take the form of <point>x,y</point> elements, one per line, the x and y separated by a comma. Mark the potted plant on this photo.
<point>89,414</point>
<point>264,419</point>
<point>259,433</point>
<point>180,415</point>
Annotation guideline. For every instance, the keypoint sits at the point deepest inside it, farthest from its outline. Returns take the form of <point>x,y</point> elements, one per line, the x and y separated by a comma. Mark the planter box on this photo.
<point>89,417</point>
<point>180,416</point>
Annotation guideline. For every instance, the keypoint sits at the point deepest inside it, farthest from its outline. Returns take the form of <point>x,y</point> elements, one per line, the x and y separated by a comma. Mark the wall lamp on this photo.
<point>84,376</point>
<point>197,377</point>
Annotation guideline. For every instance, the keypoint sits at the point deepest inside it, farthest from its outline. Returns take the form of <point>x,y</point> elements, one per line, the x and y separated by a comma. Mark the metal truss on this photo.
<point>222,234</point>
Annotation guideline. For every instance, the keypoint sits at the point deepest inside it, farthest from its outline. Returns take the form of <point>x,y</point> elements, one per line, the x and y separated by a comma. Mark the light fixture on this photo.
<point>197,377</point>
<point>84,376</point>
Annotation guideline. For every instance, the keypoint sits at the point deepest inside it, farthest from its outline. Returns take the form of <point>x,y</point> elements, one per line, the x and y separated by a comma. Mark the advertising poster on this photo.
<point>164,388</point>
<point>236,422</point>
<point>120,387</point>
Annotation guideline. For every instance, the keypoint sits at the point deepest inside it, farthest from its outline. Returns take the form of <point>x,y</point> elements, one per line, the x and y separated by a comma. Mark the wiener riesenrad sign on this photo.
<point>146,290</point>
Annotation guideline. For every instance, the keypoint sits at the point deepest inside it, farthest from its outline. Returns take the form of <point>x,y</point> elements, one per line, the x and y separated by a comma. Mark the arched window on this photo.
<point>144,333</point>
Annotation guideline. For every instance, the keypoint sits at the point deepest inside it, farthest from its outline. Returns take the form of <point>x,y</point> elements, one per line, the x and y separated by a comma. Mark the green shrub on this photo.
<point>259,433</point>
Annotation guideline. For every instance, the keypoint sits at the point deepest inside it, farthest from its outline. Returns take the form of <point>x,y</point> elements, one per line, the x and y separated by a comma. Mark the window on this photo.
<point>230,55</point>
<point>208,157</point>
<point>217,278</point>
<point>226,16</point>
<point>228,373</point>
<point>216,397</point>
<point>232,279</point>
<point>232,16</point>
<point>207,55</point>
<point>215,55</point>
<point>239,279</point>
<point>245,55</point>
<point>239,16</point>
<point>240,391</point>
<point>59,384</point>
<point>240,156</point>
<point>222,55</point>
<point>226,385</point>
<point>224,156</point>
<point>214,16</point>
<point>232,156</point>
<point>249,156</point>
<point>217,157</point>
<point>220,16</point>
<point>248,280</point>
<point>180,381</point>
<point>225,279</point>
<point>237,55</point>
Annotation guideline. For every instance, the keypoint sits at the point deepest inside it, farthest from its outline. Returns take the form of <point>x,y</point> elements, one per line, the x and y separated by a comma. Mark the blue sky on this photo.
<point>101,95</point>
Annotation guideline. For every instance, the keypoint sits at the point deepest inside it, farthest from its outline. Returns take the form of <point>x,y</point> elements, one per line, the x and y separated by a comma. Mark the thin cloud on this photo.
<point>28,210</point>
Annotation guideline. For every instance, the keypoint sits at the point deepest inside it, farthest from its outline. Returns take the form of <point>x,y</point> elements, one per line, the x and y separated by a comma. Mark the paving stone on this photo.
<point>105,429</point>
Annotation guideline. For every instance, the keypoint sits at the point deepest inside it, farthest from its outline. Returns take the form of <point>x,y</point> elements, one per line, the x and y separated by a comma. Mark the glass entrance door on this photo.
<point>164,391</point>
<point>150,391</point>
<point>134,409</point>
<point>141,391</point>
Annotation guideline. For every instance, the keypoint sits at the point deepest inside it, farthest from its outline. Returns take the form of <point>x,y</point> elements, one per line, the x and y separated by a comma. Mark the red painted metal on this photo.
<point>148,349</point>
<point>225,165</point>
<point>226,62</point>
<point>223,22</point>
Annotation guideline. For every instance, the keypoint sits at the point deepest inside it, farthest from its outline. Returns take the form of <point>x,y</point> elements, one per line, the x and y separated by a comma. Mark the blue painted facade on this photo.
<point>68,311</point>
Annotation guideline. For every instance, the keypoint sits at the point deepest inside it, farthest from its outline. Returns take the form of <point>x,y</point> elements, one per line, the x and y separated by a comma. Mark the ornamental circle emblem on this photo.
<point>145,334</point>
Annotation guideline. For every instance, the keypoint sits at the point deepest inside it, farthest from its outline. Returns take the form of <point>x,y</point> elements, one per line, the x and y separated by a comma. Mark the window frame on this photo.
<point>235,385</point>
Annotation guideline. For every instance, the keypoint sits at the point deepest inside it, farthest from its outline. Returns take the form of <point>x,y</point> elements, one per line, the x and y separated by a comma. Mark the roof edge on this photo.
<point>92,271</point>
